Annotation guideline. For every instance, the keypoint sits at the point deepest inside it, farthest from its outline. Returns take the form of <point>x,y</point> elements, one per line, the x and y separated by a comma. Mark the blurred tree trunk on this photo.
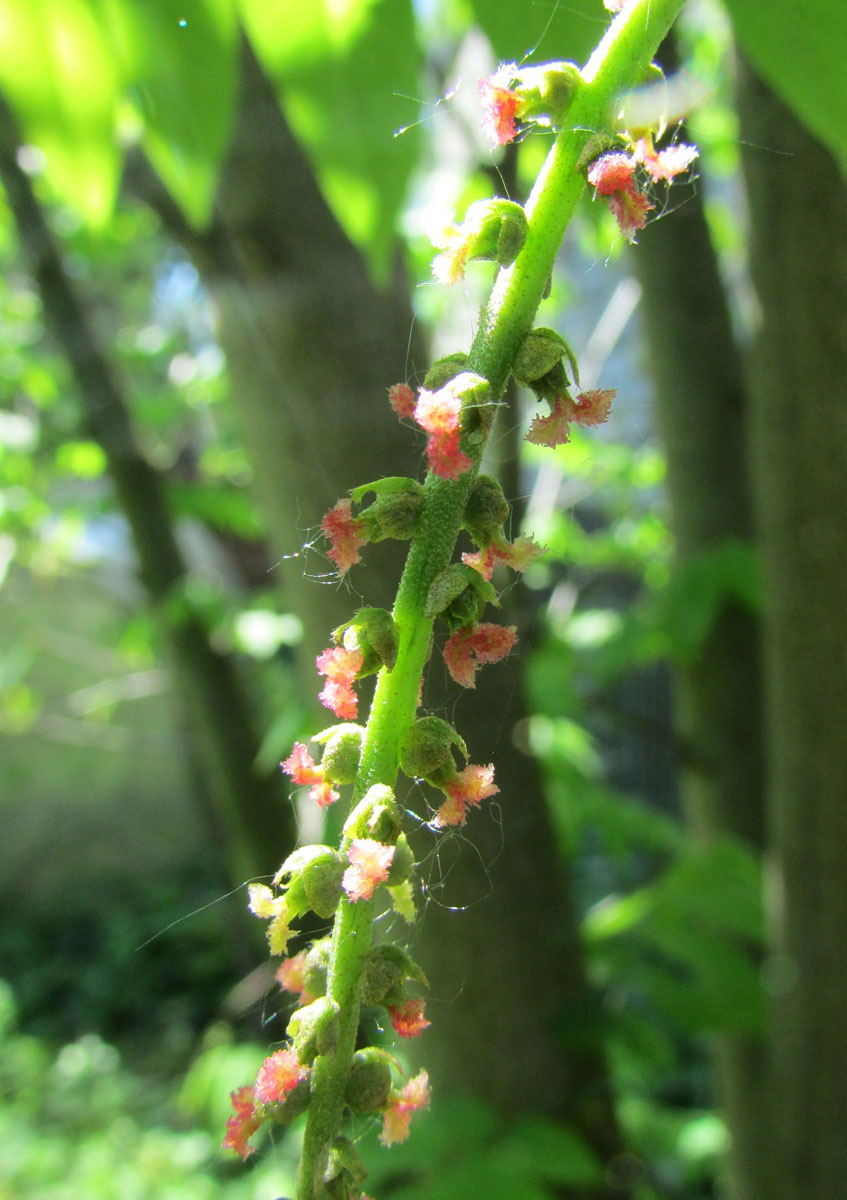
<point>312,345</point>
<point>798,201</point>
<point>701,404</point>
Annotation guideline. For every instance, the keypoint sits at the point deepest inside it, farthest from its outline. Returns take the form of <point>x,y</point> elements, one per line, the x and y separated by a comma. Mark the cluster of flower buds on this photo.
<point>374,852</point>
<point>517,95</point>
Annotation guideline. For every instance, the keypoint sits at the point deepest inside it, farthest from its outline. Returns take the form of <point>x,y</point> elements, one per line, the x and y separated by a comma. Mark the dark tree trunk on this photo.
<point>798,200</point>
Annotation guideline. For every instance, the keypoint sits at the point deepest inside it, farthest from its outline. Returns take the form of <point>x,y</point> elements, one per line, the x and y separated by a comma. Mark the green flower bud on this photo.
<point>394,516</point>
<point>314,879</point>
<point>314,1029</point>
<point>386,969</point>
<point>547,91</point>
<point>458,596</point>
<point>373,632</point>
<point>344,1162</point>
<point>317,966</point>
<point>376,816</point>
<point>445,369</point>
<point>403,862</point>
<point>539,352</point>
<point>428,748</point>
<point>342,751</point>
<point>486,509</point>
<point>294,1105</point>
<point>369,1081</point>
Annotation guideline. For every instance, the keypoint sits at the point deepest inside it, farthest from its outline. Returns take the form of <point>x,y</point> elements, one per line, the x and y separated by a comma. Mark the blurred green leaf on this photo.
<point>568,31</point>
<point>180,65</point>
<point>801,54</point>
<point>57,69</point>
<point>347,76</point>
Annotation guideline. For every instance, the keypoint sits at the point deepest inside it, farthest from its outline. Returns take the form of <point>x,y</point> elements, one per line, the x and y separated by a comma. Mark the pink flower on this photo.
<point>470,787</point>
<point>517,555</point>
<point>613,177</point>
<point>554,429</point>
<point>396,1117</point>
<point>303,770</point>
<point>340,666</point>
<point>408,1019</point>
<point>370,862</point>
<point>402,399</point>
<point>593,407</point>
<point>243,1124</point>
<point>663,164</point>
<point>469,649</point>
<point>500,105</point>
<point>439,414</point>
<point>301,766</point>
<point>346,535</point>
<point>278,1075</point>
<point>291,976</point>
<point>612,173</point>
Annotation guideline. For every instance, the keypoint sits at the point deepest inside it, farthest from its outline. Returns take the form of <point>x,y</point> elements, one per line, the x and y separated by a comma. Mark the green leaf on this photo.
<point>540,31</point>
<point>58,72</point>
<point>345,70</point>
<point>180,66</point>
<point>800,52</point>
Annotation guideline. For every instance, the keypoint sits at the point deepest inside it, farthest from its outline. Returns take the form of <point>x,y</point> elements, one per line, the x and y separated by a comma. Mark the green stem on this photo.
<point>620,62</point>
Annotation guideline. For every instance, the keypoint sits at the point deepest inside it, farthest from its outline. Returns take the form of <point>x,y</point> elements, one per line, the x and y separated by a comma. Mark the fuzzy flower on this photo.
<point>340,666</point>
<point>501,105</point>
<point>613,175</point>
<point>448,267</point>
<point>589,409</point>
<point>554,429</point>
<point>370,862</point>
<point>398,1114</point>
<point>346,535</point>
<point>291,976</point>
<point>304,770</point>
<point>408,1018</point>
<point>278,1075</point>
<point>593,407</point>
<point>663,164</point>
<point>517,555</point>
<point>469,649</point>
<point>439,414</point>
<point>470,787</point>
<point>264,904</point>
<point>402,399</point>
<point>243,1123</point>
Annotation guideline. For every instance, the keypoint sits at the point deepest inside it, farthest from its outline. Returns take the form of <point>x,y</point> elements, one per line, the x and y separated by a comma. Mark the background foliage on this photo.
<point>128,964</point>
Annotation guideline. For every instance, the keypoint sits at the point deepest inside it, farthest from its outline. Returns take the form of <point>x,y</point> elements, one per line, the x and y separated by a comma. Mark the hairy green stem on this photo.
<point>620,62</point>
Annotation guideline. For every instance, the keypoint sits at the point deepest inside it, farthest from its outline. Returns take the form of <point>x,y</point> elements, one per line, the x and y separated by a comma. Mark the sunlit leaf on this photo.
<point>346,73</point>
<point>542,31</point>
<point>58,71</point>
<point>180,65</point>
